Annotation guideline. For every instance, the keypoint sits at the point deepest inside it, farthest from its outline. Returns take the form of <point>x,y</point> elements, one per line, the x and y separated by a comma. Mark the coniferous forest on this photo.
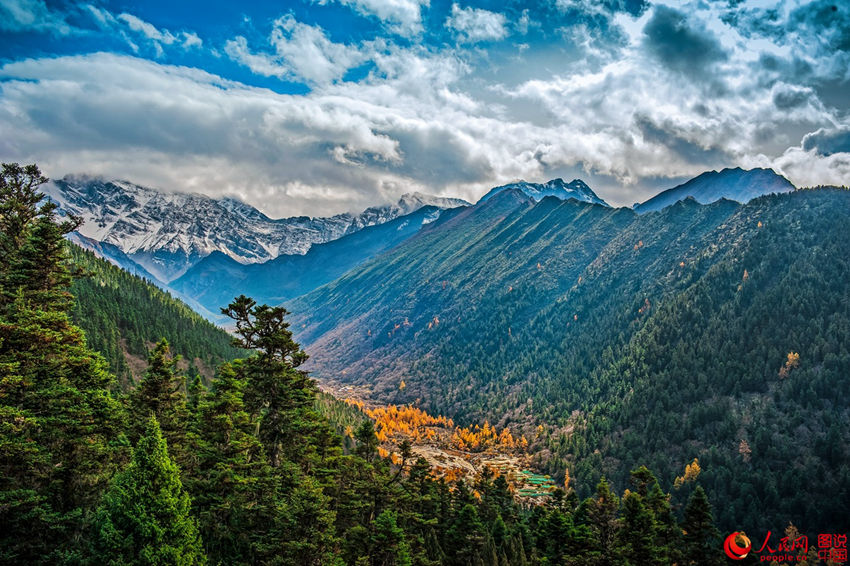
<point>244,469</point>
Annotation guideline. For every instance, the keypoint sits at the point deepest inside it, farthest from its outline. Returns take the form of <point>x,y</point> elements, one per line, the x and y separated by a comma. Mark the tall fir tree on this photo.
<point>161,393</point>
<point>389,543</point>
<point>637,535</point>
<point>280,398</point>
<point>604,524</point>
<point>701,544</point>
<point>59,424</point>
<point>278,393</point>
<point>234,490</point>
<point>144,517</point>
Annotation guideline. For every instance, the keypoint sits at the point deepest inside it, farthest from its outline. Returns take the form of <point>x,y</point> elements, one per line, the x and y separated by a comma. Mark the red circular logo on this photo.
<point>737,546</point>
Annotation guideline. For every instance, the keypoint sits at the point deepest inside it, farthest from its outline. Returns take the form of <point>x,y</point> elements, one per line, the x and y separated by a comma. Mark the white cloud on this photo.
<point>157,37</point>
<point>401,16</point>
<point>301,52</point>
<point>31,15</point>
<point>474,24</point>
<point>423,118</point>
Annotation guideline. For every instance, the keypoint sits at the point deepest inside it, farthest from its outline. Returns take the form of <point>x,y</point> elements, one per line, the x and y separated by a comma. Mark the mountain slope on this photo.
<point>216,279</point>
<point>734,184</point>
<point>719,358</point>
<point>123,315</point>
<point>166,233</point>
<point>575,189</point>
<point>633,339</point>
<point>463,297</point>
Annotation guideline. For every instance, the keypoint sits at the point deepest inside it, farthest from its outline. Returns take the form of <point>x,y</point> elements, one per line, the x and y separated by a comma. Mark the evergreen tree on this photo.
<point>59,425</point>
<point>160,393</point>
<point>638,531</point>
<point>700,535</point>
<point>279,394</point>
<point>389,544</point>
<point>668,535</point>
<point>194,390</point>
<point>280,398</point>
<point>467,538</point>
<point>234,490</point>
<point>602,515</point>
<point>144,517</point>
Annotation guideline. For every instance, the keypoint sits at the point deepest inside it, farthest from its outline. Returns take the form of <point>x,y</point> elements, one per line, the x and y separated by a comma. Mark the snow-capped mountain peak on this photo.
<point>575,189</point>
<point>167,232</point>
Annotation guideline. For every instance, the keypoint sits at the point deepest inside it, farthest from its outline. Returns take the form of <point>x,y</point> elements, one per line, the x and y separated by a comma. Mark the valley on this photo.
<point>424,283</point>
<point>578,331</point>
<point>452,452</point>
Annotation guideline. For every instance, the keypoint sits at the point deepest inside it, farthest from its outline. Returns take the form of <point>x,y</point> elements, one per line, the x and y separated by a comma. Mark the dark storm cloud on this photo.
<point>670,37</point>
<point>788,98</point>
<point>667,135</point>
<point>828,142</point>
<point>827,20</point>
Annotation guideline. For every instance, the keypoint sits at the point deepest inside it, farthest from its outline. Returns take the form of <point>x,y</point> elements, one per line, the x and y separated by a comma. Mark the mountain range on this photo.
<point>161,235</point>
<point>216,279</point>
<point>713,328</point>
<point>167,233</point>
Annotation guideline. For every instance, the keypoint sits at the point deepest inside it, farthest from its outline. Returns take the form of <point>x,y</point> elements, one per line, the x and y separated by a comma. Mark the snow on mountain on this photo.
<point>575,189</point>
<point>166,233</point>
<point>740,185</point>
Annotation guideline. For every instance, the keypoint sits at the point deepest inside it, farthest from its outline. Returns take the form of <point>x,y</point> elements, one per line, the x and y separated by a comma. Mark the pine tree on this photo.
<point>279,394</point>
<point>700,534</point>
<point>637,534</point>
<point>668,535</point>
<point>160,393</point>
<point>144,517</point>
<point>59,425</point>
<point>280,398</point>
<point>388,543</point>
<point>234,490</point>
<point>194,390</point>
<point>602,515</point>
<point>465,540</point>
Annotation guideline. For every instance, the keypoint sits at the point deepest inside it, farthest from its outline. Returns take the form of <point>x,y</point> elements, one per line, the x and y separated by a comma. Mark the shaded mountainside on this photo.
<point>632,338</point>
<point>124,315</point>
<point>740,185</point>
<point>216,279</point>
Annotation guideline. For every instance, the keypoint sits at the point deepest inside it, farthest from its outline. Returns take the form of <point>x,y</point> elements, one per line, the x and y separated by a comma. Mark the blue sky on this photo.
<point>317,107</point>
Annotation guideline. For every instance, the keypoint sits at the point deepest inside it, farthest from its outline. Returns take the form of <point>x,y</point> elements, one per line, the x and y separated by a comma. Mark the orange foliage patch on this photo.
<point>476,439</point>
<point>410,422</point>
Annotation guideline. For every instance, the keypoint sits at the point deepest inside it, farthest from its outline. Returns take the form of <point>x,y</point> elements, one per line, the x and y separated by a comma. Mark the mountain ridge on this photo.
<point>737,184</point>
<point>217,278</point>
<point>168,232</point>
<point>575,189</point>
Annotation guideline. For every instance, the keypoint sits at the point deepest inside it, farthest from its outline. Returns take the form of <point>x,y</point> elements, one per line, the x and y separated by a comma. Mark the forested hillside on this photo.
<point>123,316</point>
<point>653,339</point>
<point>747,369</point>
<point>246,471</point>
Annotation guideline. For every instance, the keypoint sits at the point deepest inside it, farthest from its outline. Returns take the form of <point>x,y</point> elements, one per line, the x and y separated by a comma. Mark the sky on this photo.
<point>323,106</point>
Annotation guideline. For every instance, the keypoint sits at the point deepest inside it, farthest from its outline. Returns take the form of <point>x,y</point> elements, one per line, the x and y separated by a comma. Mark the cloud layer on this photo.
<point>632,99</point>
